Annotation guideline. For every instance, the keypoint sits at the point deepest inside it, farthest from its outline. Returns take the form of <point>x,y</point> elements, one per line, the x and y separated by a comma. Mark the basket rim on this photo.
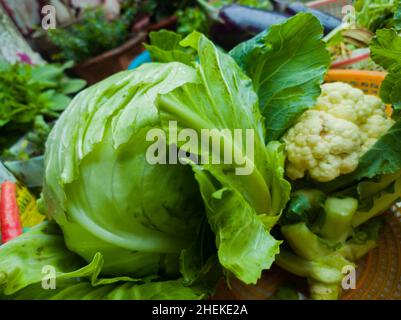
<point>351,74</point>
<point>350,61</point>
<point>318,3</point>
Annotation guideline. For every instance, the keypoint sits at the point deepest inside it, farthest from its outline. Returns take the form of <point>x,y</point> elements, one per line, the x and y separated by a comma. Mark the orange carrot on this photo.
<point>9,213</point>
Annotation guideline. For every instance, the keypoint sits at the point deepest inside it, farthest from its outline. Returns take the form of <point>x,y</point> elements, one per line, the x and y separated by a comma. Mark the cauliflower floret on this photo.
<point>323,145</point>
<point>343,101</point>
<point>329,139</point>
<point>374,127</point>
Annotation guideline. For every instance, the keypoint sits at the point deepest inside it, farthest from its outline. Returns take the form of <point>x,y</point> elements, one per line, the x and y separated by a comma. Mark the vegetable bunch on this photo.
<point>125,228</point>
<point>165,231</point>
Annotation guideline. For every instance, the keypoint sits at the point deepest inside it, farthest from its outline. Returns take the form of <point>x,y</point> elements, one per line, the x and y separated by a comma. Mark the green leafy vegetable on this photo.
<point>159,9</point>
<point>45,261</point>
<point>92,35</point>
<point>377,14</point>
<point>29,95</point>
<point>304,206</point>
<point>165,47</point>
<point>386,50</point>
<point>287,64</point>
<point>381,200</point>
<point>192,19</point>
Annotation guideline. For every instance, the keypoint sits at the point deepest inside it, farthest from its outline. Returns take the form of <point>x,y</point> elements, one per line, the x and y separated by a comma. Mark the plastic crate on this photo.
<point>368,81</point>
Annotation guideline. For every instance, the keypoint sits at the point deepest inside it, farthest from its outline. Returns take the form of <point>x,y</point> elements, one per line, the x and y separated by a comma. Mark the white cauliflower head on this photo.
<point>328,140</point>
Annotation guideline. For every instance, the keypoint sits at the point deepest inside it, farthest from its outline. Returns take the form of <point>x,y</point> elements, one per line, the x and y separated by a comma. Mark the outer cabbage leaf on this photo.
<point>287,64</point>
<point>244,245</point>
<point>25,260</point>
<point>83,290</point>
<point>22,270</point>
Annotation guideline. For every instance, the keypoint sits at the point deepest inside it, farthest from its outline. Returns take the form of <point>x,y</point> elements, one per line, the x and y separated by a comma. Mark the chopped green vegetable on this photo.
<point>339,213</point>
<point>304,242</point>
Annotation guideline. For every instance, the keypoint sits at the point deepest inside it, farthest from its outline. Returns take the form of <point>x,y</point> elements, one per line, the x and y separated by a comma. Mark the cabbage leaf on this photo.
<point>43,247</point>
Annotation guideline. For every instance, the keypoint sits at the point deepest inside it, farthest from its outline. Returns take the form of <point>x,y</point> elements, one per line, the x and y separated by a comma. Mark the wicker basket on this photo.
<point>378,273</point>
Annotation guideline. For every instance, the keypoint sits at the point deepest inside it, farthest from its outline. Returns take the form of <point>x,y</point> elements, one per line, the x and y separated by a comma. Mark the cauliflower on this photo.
<point>328,140</point>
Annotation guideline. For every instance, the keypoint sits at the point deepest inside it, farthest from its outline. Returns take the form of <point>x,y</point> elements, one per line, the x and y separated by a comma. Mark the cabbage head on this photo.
<point>101,190</point>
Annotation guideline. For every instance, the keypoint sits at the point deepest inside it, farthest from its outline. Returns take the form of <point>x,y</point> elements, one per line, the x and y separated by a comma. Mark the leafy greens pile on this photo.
<point>30,98</point>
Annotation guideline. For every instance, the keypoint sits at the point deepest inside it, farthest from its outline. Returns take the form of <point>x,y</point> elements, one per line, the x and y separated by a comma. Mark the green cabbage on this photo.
<point>101,190</point>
